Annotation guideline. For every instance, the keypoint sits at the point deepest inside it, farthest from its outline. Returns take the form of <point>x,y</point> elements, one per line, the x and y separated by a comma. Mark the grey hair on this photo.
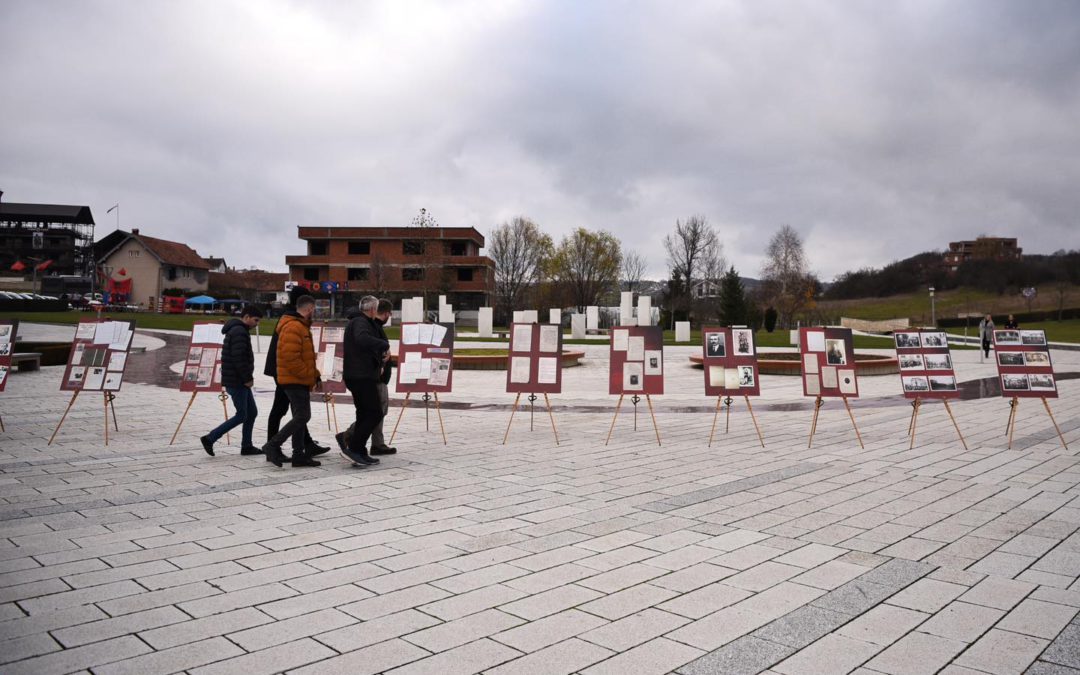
<point>368,303</point>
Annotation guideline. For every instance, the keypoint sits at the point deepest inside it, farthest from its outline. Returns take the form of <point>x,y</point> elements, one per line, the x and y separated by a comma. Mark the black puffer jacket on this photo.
<point>365,344</point>
<point>388,367</point>
<point>237,359</point>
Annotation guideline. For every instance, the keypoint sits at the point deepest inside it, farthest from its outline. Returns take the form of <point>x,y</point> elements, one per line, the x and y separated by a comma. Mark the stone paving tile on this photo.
<point>1065,649</point>
<point>1001,652</point>
<point>744,656</point>
<point>655,657</point>
<point>536,635</point>
<point>373,631</point>
<point>377,658</point>
<point>831,654</point>
<point>474,657</point>
<point>570,656</point>
<point>915,654</point>
<point>463,630</point>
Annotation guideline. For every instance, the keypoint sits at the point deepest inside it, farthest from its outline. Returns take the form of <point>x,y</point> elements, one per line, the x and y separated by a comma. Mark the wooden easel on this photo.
<point>224,408</point>
<point>427,416</point>
<point>727,421</point>
<point>108,397</point>
<point>635,399</point>
<point>1014,404</point>
<point>328,399</point>
<point>532,401</point>
<point>916,405</point>
<point>818,402</point>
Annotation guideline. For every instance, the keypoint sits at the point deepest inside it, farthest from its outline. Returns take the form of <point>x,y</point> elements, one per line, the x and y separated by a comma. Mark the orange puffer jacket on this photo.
<point>295,352</point>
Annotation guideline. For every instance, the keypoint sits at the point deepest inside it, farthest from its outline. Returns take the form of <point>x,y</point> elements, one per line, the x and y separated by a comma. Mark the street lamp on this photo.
<point>933,309</point>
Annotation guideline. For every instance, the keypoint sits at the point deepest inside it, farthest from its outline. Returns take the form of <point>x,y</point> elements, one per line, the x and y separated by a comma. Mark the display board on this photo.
<point>828,362</point>
<point>1024,365</point>
<point>8,329</point>
<point>329,342</point>
<point>99,355</point>
<point>926,365</point>
<point>730,359</point>
<point>636,360</point>
<point>202,367</point>
<point>425,361</point>
<point>534,365</point>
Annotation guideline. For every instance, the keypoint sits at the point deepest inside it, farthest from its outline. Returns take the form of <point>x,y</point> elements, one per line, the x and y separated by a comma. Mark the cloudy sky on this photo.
<point>876,129</point>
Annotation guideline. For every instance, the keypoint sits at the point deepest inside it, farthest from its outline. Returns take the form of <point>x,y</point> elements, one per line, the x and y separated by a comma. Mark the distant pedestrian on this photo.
<point>238,378</point>
<point>986,334</point>
<point>297,376</point>
<point>1011,324</point>
<point>366,353</point>
<point>378,440</point>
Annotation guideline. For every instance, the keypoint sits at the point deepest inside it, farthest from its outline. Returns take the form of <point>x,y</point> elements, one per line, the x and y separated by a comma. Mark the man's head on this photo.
<point>989,318</point>
<point>368,305</point>
<point>1011,318</point>
<point>250,316</point>
<point>383,310</point>
<point>305,306</point>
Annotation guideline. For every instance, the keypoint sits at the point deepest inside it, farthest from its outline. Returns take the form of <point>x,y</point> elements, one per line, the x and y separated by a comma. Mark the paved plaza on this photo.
<point>479,557</point>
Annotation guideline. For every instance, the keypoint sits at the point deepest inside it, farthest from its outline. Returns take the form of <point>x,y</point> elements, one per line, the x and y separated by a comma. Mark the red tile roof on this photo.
<point>173,253</point>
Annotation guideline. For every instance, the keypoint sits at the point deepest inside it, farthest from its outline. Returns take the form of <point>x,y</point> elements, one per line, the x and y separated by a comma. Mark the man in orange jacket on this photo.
<point>297,375</point>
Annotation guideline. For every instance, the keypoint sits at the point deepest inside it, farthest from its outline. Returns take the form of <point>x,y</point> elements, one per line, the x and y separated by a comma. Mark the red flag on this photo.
<point>18,266</point>
<point>44,266</point>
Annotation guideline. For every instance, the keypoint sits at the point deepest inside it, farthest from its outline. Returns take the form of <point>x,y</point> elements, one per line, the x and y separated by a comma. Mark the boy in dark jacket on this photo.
<point>238,378</point>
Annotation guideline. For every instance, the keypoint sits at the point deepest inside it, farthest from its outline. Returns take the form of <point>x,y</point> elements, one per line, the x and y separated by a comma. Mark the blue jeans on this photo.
<point>246,412</point>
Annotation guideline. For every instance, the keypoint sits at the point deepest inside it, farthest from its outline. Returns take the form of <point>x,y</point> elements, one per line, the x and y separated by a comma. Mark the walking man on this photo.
<point>366,352</point>
<point>297,376</point>
<point>238,378</point>
<point>378,440</point>
<point>986,334</point>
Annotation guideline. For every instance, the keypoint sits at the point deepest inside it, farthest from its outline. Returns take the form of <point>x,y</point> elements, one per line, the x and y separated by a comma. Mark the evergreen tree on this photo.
<point>733,304</point>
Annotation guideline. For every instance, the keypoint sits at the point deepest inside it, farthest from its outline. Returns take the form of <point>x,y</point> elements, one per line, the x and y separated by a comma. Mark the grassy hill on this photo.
<point>952,303</point>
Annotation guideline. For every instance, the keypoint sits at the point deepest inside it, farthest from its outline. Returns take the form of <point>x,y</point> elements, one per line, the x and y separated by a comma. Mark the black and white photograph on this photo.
<point>910,361</point>
<point>942,383</point>
<point>935,340</point>
<point>1041,382</point>
<point>3,374</point>
<point>195,355</point>
<point>938,362</point>
<point>5,332</point>
<point>191,373</point>
<point>1007,337</point>
<point>907,340</point>
<point>715,344</point>
<point>1037,358</point>
<point>1014,382</point>
<point>1033,337</point>
<point>746,376</point>
<point>915,384</point>
<point>1010,358</point>
<point>835,353</point>
<point>744,341</point>
<point>5,348</point>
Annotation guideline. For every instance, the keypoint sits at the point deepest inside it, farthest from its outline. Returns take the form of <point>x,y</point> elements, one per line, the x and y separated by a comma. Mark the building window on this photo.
<point>412,273</point>
<point>412,247</point>
<point>134,253</point>
<point>464,274</point>
<point>459,248</point>
<point>186,273</point>
<point>311,274</point>
<point>358,273</point>
<point>316,248</point>
<point>359,248</point>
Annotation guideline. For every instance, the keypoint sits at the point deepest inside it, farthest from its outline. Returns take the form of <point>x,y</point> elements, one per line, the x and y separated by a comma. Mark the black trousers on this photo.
<point>299,398</point>
<point>369,411</point>
<point>277,411</point>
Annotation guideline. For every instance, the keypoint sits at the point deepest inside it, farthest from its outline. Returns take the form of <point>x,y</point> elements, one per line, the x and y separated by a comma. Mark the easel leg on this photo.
<point>727,417</point>
<point>105,400</point>
<point>754,420</point>
<point>184,416</point>
<point>1056,427</point>
<point>911,420</point>
<point>326,402</point>
<point>648,399</point>
<point>852,416</point>
<point>404,404</point>
<point>112,407</point>
<point>914,421</point>
<point>813,423</point>
<point>438,411</point>
<point>716,414</point>
<point>225,410</point>
<point>955,425</point>
<point>2,423</point>
<point>617,406</point>
<point>74,396</point>
<point>333,409</point>
<point>512,411</point>
<point>1012,419</point>
<point>552,416</point>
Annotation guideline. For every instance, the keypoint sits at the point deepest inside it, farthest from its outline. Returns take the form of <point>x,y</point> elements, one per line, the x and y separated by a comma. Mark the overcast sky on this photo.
<point>876,129</point>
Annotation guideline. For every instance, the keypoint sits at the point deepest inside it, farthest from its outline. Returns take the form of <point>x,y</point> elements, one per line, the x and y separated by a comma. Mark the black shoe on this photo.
<point>360,458</point>
<point>385,450</point>
<point>299,460</point>
<point>341,442</point>
<point>273,455</point>
<point>250,450</point>
<point>207,445</point>
<point>316,449</point>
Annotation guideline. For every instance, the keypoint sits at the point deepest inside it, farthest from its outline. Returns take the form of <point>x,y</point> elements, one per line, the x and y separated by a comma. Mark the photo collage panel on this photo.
<point>425,358</point>
<point>8,329</point>
<point>534,364</point>
<point>730,362</point>
<point>828,362</point>
<point>98,356</point>
<point>1024,364</point>
<point>925,364</point>
<point>636,360</point>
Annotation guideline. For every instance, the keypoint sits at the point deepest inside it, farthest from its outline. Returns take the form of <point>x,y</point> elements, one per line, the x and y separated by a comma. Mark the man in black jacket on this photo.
<point>378,440</point>
<point>366,352</point>
<point>280,405</point>
<point>238,377</point>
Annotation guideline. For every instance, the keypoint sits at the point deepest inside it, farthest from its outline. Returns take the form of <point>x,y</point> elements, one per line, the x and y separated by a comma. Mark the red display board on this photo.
<point>534,365</point>
<point>730,359</point>
<point>828,362</point>
<point>98,355</point>
<point>329,341</point>
<point>202,367</point>
<point>636,360</point>
<point>926,365</point>
<point>425,360</point>
<point>1023,363</point>
<point>8,329</point>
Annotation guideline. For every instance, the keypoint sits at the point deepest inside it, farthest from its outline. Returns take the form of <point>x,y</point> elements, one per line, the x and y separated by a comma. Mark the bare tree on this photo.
<point>788,284</point>
<point>693,243</point>
<point>587,265</point>
<point>430,253</point>
<point>520,251</point>
<point>633,269</point>
<point>379,273</point>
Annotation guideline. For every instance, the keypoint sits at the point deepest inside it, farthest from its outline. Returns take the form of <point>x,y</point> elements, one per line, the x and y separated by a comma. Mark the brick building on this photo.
<point>982,248</point>
<point>398,262</point>
<point>141,268</point>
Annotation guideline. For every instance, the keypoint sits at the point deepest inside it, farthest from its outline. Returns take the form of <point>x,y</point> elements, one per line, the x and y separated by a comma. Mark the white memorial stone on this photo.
<point>530,316</point>
<point>626,308</point>
<point>486,322</point>
<point>644,310</point>
<point>517,316</point>
<point>446,314</point>
<point>555,316</point>
<point>682,331</point>
<point>412,310</point>
<point>577,326</point>
<point>592,318</point>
